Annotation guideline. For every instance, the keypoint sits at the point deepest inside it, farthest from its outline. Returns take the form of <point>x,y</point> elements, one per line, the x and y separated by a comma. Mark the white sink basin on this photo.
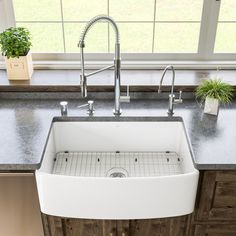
<point>83,156</point>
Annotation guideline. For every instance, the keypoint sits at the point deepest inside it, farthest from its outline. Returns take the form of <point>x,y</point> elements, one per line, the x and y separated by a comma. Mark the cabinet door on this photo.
<point>19,205</point>
<point>159,227</point>
<point>214,230</point>
<point>217,199</point>
<point>57,226</point>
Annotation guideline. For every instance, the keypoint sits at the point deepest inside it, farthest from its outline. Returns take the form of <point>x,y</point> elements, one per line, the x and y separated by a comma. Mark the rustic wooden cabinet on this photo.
<point>217,196</point>
<point>213,230</point>
<point>215,211</point>
<point>214,215</point>
<point>55,226</point>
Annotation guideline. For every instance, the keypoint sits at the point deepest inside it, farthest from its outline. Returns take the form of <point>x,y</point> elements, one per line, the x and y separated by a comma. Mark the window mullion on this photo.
<point>63,26</point>
<point>7,16</point>
<point>154,26</point>
<point>210,14</point>
<point>108,26</point>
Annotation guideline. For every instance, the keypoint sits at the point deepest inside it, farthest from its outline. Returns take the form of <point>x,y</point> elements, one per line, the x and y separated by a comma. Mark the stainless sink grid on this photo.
<point>99,164</point>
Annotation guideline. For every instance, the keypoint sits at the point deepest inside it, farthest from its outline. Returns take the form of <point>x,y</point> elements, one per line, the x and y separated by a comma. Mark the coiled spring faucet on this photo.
<point>172,99</point>
<point>116,64</point>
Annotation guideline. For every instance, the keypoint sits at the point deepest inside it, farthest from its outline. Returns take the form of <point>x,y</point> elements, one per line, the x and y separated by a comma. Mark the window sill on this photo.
<point>68,63</point>
<point>138,80</point>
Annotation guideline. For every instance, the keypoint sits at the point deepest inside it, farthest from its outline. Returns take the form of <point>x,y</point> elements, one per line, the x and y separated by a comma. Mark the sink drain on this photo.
<point>117,172</point>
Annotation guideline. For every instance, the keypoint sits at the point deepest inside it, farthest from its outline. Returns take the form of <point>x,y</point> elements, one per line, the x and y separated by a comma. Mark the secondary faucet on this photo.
<point>116,65</point>
<point>172,99</point>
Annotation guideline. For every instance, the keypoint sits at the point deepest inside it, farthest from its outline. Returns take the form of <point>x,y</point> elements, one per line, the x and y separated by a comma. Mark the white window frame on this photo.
<point>205,55</point>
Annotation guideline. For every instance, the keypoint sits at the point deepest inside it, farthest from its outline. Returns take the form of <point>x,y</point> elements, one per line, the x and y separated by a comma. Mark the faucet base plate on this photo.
<point>117,113</point>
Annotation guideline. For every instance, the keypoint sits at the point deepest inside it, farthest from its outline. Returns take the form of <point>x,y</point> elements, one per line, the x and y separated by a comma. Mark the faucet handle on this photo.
<point>90,105</point>
<point>64,108</point>
<point>179,100</point>
<point>127,97</point>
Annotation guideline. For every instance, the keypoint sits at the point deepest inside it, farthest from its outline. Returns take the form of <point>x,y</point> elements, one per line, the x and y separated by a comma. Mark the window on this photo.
<point>150,29</point>
<point>226,30</point>
<point>177,26</point>
<point>146,26</point>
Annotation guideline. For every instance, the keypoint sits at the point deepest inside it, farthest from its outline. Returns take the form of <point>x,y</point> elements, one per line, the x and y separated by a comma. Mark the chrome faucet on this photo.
<point>116,65</point>
<point>172,99</point>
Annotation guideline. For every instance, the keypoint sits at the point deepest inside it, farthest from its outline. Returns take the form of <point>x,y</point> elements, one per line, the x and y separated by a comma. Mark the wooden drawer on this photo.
<point>217,196</point>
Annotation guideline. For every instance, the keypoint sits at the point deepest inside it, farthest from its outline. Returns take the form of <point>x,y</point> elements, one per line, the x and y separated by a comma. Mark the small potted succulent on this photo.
<point>15,45</point>
<point>214,92</point>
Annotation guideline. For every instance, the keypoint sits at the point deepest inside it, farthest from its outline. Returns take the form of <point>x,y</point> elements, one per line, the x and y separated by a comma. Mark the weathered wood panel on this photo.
<point>217,199</point>
<point>214,230</point>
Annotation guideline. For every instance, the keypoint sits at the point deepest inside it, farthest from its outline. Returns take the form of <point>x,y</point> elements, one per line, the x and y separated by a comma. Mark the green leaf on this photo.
<point>15,42</point>
<point>215,88</point>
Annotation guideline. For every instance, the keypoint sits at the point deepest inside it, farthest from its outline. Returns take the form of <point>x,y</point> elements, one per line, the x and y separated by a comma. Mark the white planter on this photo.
<point>19,68</point>
<point>211,106</point>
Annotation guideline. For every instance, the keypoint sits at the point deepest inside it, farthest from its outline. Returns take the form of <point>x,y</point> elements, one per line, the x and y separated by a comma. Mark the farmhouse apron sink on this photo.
<point>117,168</point>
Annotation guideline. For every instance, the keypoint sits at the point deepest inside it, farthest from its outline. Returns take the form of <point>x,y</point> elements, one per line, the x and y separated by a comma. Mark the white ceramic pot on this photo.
<point>19,68</point>
<point>211,106</point>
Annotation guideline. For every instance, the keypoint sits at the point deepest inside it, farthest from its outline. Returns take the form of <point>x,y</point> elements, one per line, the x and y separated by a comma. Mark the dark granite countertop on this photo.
<point>24,125</point>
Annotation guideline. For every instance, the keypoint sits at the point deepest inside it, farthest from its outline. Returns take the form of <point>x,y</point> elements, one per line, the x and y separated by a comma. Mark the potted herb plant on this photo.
<point>15,45</point>
<point>214,92</point>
